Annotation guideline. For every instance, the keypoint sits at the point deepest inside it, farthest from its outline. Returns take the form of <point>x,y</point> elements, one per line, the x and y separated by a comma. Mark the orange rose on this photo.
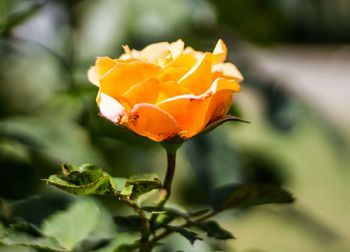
<point>165,89</point>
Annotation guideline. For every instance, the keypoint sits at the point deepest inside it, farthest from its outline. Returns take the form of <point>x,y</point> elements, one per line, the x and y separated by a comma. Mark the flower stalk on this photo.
<point>168,179</point>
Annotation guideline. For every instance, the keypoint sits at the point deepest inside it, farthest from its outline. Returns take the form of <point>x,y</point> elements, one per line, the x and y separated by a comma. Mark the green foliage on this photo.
<point>72,226</point>
<point>23,234</point>
<point>189,235</point>
<point>131,223</point>
<point>238,196</point>
<point>213,229</point>
<point>142,184</point>
<point>89,179</point>
<point>122,242</point>
<point>82,180</point>
<point>26,227</point>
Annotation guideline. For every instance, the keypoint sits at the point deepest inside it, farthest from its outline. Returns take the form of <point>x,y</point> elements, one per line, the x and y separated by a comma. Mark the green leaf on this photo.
<point>120,243</point>
<point>153,209</point>
<point>82,174</point>
<point>165,215</point>
<point>142,184</point>
<point>213,229</point>
<point>82,180</point>
<point>131,223</point>
<point>163,220</point>
<point>237,196</point>
<point>221,120</point>
<point>73,225</point>
<point>120,183</point>
<point>199,212</point>
<point>189,235</point>
<point>27,228</point>
<point>127,191</point>
<point>13,237</point>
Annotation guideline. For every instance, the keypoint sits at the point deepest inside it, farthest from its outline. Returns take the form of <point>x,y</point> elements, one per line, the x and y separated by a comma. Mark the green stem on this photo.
<point>168,179</point>
<point>145,245</point>
<point>187,224</point>
<point>165,191</point>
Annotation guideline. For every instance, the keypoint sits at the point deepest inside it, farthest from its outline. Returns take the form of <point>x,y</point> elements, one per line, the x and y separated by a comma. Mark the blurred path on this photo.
<point>320,75</point>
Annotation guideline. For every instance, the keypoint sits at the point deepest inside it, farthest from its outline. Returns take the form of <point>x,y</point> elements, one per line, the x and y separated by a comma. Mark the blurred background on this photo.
<point>295,57</point>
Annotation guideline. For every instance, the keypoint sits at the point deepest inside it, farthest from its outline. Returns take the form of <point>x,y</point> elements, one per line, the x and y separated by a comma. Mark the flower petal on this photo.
<point>186,60</point>
<point>125,74</point>
<point>228,70</point>
<point>220,52</point>
<point>102,65</point>
<point>153,52</point>
<point>192,113</point>
<point>145,92</point>
<point>198,79</point>
<point>168,89</point>
<point>221,100</point>
<point>110,108</point>
<point>176,48</point>
<point>172,73</point>
<point>149,121</point>
<point>93,76</point>
<point>188,111</point>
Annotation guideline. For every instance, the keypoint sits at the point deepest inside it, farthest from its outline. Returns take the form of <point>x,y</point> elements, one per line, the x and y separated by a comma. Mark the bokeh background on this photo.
<point>295,57</point>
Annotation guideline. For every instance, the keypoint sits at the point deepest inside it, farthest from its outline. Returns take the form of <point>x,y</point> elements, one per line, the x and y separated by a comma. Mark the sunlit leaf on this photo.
<point>72,226</point>
<point>237,196</point>
<point>82,180</point>
<point>121,243</point>
<point>12,237</point>
<point>142,184</point>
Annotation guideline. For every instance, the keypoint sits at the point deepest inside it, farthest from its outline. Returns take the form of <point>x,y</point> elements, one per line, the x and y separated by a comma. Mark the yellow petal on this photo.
<point>221,100</point>
<point>192,113</point>
<point>172,73</point>
<point>153,52</point>
<point>145,92</point>
<point>110,108</point>
<point>220,52</point>
<point>102,65</point>
<point>198,79</point>
<point>170,89</point>
<point>189,112</point>
<point>219,105</point>
<point>125,74</point>
<point>185,60</point>
<point>129,54</point>
<point>227,70</point>
<point>93,76</point>
<point>176,48</point>
<point>149,121</point>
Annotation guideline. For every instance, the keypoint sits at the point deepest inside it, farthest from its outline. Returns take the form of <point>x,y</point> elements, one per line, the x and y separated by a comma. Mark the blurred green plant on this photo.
<point>46,116</point>
<point>156,221</point>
